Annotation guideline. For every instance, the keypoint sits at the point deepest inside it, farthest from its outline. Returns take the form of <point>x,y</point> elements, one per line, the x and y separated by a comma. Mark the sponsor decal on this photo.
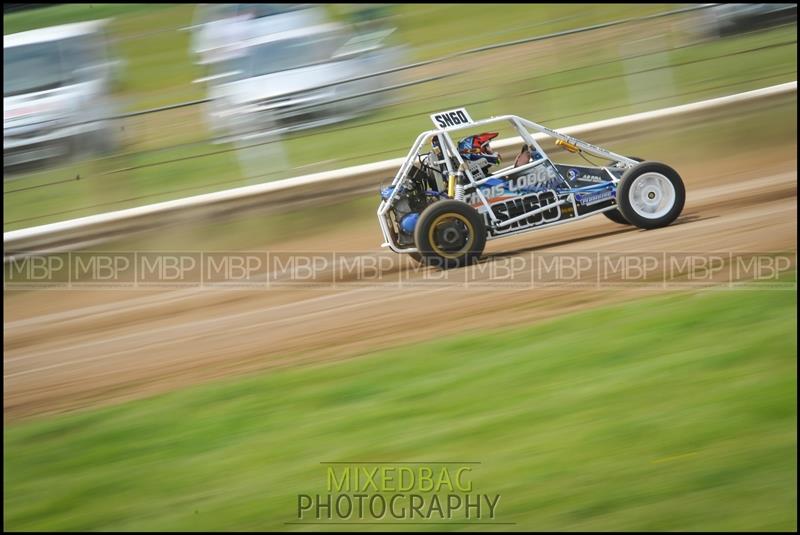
<point>540,178</point>
<point>591,178</point>
<point>588,199</point>
<point>449,118</point>
<point>584,175</point>
<point>518,206</point>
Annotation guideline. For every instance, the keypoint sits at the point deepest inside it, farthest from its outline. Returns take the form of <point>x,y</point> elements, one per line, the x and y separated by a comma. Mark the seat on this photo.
<point>523,157</point>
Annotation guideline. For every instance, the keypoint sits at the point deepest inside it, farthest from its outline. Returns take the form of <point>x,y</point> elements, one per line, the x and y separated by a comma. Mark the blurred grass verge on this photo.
<point>159,70</point>
<point>148,38</point>
<point>668,413</point>
<point>160,73</point>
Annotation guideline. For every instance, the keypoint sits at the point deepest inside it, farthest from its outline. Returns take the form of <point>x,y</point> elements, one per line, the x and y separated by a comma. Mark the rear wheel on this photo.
<point>450,234</point>
<point>651,195</point>
<point>615,215</point>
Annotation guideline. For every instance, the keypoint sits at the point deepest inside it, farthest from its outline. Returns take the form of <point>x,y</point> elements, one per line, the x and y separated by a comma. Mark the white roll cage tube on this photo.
<point>449,152</point>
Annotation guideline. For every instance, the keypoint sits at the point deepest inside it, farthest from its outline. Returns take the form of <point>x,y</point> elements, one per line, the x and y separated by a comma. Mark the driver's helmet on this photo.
<point>477,152</point>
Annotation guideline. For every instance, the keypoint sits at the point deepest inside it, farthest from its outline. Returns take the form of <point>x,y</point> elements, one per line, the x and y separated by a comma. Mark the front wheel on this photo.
<point>651,195</point>
<point>450,234</point>
<point>615,215</point>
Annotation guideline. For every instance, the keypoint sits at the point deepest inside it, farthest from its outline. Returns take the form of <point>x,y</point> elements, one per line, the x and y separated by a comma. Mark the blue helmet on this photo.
<point>476,148</point>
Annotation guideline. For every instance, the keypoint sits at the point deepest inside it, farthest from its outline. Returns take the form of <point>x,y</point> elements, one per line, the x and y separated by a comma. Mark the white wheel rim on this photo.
<point>652,195</point>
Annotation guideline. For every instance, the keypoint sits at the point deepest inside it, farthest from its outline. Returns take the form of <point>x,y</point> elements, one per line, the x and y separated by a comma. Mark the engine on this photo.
<point>411,199</point>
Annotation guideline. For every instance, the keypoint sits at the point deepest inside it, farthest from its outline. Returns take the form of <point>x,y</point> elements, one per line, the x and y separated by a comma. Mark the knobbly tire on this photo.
<point>450,234</point>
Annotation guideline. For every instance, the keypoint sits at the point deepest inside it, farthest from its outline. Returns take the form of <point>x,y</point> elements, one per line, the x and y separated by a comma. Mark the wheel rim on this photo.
<point>451,235</point>
<point>652,195</point>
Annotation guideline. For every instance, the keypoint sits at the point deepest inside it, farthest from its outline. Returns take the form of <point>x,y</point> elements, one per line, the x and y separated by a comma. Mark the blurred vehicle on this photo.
<point>444,204</point>
<point>288,69</point>
<point>299,79</point>
<point>729,19</point>
<point>219,29</point>
<point>56,86</point>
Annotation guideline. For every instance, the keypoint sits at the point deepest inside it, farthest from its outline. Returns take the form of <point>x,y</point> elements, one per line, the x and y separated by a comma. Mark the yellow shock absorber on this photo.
<point>451,185</point>
<point>567,146</point>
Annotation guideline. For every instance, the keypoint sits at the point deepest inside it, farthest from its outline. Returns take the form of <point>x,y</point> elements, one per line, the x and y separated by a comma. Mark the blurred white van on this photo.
<point>276,68</point>
<point>300,79</point>
<point>56,85</point>
<point>219,29</point>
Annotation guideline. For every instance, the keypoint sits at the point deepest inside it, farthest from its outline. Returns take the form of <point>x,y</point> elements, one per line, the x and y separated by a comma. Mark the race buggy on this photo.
<point>445,202</point>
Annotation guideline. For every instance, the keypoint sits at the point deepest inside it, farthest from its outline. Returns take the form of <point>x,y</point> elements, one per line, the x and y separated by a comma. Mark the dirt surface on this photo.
<point>68,349</point>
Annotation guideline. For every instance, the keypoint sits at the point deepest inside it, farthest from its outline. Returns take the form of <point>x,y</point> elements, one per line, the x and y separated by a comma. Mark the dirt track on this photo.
<point>71,349</point>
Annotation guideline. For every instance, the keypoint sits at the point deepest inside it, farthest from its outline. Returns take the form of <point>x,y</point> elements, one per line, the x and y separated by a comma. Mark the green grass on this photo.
<point>472,26</point>
<point>159,72</point>
<point>476,26</point>
<point>669,413</point>
<point>30,19</point>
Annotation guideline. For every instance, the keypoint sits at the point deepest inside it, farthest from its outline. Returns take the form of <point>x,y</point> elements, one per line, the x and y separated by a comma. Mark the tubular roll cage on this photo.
<point>451,154</point>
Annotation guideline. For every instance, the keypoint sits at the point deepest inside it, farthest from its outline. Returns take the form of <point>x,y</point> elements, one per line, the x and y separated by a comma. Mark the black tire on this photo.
<point>615,215</point>
<point>416,256</point>
<point>450,234</point>
<point>663,216</point>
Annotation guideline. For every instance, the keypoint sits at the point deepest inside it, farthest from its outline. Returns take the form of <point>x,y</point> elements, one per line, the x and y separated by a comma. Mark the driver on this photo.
<point>478,154</point>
